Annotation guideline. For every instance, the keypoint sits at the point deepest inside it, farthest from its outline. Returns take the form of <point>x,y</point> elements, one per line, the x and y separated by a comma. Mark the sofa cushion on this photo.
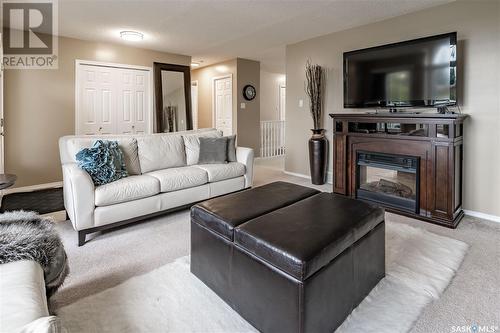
<point>217,172</point>
<point>128,146</point>
<point>223,214</point>
<point>174,179</point>
<point>126,189</point>
<point>158,152</point>
<point>192,144</point>
<point>327,224</point>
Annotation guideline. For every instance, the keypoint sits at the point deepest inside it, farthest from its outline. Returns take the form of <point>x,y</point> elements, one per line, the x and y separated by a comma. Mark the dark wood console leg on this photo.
<point>81,238</point>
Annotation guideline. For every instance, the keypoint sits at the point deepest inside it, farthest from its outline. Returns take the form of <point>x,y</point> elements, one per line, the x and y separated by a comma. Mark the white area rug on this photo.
<point>420,265</point>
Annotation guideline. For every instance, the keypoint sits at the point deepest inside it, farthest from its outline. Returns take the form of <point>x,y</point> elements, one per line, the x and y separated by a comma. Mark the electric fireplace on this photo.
<point>411,164</point>
<point>390,179</point>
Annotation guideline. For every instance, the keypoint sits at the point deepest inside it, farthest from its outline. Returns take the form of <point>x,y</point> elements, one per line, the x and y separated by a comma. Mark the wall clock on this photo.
<point>249,92</point>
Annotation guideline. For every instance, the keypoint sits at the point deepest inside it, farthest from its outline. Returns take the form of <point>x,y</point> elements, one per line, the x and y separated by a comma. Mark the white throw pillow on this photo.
<point>192,145</point>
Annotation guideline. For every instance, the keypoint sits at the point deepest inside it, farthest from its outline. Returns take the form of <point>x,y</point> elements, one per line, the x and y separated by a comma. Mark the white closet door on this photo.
<point>112,100</point>
<point>96,101</point>
<point>133,117</point>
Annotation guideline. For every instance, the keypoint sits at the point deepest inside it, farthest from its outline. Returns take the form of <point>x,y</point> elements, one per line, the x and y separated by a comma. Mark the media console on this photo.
<point>410,163</point>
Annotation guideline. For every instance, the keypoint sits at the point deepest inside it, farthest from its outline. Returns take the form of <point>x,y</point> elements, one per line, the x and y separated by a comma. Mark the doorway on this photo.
<point>222,104</point>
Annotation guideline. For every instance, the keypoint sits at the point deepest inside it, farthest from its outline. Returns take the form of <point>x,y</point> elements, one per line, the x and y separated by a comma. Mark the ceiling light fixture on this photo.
<point>132,36</point>
<point>195,64</point>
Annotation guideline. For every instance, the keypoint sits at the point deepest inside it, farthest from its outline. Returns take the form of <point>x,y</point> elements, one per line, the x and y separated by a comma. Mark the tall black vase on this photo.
<point>318,149</point>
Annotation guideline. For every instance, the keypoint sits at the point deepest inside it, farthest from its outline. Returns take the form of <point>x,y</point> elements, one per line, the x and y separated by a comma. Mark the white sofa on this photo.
<point>23,304</point>
<point>163,176</point>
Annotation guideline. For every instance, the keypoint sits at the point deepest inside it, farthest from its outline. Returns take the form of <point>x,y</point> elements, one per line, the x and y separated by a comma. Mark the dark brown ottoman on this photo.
<point>301,267</point>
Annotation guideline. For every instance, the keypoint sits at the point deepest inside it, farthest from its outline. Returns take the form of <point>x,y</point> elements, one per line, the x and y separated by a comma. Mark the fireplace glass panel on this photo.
<point>388,179</point>
<point>390,182</point>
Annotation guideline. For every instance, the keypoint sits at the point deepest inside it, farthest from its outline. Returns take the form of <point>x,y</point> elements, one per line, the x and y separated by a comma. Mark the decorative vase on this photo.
<point>318,148</point>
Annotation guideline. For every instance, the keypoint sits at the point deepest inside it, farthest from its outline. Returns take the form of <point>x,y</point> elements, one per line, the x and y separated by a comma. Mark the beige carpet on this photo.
<point>420,266</point>
<point>113,257</point>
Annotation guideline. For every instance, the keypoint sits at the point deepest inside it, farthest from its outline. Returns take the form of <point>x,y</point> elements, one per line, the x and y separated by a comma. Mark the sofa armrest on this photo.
<point>246,156</point>
<point>23,297</point>
<point>78,196</point>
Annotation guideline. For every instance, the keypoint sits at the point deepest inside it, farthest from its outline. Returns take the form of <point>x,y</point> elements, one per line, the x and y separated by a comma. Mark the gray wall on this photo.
<point>249,118</point>
<point>478,27</point>
<point>39,106</point>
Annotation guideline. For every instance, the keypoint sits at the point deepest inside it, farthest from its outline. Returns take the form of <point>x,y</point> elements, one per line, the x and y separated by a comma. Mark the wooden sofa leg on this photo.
<point>81,238</point>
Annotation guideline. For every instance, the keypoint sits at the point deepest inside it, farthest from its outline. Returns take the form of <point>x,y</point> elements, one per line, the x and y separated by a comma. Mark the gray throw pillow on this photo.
<point>231,148</point>
<point>213,150</point>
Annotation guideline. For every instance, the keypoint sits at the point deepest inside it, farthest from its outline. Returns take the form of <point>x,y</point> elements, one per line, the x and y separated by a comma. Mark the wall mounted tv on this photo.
<point>415,73</point>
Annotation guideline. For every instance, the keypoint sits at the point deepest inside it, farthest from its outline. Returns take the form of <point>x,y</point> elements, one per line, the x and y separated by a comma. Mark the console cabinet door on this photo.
<point>339,164</point>
<point>442,181</point>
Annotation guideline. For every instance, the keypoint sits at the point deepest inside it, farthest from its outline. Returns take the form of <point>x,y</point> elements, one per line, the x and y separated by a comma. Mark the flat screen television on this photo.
<point>414,73</point>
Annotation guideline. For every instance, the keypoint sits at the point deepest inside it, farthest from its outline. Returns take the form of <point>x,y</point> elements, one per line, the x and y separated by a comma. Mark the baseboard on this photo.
<point>268,157</point>
<point>483,216</point>
<point>32,188</point>
<point>301,175</point>
<point>329,176</point>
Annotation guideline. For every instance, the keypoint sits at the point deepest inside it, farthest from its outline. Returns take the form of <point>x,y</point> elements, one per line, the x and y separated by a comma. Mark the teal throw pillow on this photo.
<point>104,162</point>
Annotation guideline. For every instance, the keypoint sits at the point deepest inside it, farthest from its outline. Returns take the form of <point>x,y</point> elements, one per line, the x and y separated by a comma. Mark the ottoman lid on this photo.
<point>224,213</point>
<point>302,238</point>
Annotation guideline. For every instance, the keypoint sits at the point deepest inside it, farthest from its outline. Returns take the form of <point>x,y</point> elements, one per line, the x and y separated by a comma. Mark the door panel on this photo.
<point>106,100</point>
<point>90,107</point>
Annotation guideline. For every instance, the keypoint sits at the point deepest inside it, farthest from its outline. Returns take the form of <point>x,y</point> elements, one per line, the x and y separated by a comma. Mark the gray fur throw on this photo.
<point>28,236</point>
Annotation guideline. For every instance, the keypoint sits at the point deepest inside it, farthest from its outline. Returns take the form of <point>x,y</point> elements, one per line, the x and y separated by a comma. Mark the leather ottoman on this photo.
<point>296,265</point>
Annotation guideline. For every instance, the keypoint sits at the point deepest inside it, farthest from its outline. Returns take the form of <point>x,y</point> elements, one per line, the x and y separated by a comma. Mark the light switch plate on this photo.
<point>243,106</point>
<point>301,103</point>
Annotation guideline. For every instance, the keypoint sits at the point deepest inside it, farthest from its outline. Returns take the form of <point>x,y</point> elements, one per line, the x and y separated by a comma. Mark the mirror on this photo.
<point>173,98</point>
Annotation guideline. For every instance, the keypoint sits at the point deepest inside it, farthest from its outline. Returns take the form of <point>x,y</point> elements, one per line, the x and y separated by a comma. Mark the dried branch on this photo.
<point>313,88</point>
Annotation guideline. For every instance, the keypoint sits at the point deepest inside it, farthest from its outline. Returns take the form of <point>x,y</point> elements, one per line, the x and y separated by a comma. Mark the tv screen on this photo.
<point>415,73</point>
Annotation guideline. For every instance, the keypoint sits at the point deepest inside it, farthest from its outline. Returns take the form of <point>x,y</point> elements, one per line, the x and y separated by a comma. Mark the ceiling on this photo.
<point>214,31</point>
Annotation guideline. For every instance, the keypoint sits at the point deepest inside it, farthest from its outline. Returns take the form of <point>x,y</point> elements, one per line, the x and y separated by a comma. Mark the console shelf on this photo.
<point>434,140</point>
